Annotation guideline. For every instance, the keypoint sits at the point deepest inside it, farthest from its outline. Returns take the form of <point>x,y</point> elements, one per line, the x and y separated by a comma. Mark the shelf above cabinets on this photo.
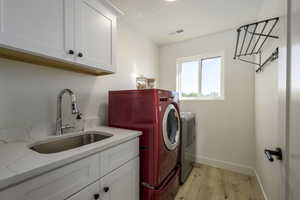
<point>77,35</point>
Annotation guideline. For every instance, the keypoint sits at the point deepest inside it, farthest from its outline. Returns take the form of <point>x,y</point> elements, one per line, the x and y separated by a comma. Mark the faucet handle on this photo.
<point>75,109</point>
<point>79,116</point>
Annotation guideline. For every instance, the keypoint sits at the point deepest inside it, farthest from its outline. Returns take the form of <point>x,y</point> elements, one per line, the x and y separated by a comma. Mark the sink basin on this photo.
<point>64,144</point>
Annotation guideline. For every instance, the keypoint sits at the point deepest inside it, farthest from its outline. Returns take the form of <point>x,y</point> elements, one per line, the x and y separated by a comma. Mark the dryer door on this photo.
<point>171,127</point>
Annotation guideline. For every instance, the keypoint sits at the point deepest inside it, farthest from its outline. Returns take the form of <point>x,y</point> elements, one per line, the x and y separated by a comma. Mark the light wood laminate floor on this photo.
<point>209,183</point>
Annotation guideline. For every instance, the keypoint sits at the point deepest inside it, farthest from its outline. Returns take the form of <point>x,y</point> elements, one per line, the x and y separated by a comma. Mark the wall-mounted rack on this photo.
<point>251,39</point>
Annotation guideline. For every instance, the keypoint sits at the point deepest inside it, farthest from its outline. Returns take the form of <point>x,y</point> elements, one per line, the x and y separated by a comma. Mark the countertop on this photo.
<point>19,163</point>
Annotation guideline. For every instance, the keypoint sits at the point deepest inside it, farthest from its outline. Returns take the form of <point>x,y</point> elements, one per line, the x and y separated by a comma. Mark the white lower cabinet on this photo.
<point>123,183</point>
<point>117,156</point>
<point>85,179</point>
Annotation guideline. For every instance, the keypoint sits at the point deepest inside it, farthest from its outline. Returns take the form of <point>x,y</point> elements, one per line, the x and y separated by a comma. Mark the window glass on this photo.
<point>190,79</point>
<point>200,77</point>
<point>211,77</point>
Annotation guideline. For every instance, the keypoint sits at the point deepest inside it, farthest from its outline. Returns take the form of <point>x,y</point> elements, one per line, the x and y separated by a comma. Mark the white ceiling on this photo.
<point>158,18</point>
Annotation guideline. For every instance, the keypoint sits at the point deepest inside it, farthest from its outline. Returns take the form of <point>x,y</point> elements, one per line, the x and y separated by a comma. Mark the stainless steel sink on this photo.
<point>64,144</point>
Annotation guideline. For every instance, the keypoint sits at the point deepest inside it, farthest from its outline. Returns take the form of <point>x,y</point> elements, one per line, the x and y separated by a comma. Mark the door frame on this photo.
<point>286,195</point>
<point>284,92</point>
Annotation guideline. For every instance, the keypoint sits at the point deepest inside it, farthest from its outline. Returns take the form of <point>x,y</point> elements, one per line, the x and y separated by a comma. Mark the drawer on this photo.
<point>87,193</point>
<point>117,156</point>
<point>57,184</point>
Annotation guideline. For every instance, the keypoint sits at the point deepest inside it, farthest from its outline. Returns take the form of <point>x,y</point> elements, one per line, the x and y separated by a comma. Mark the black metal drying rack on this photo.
<point>251,39</point>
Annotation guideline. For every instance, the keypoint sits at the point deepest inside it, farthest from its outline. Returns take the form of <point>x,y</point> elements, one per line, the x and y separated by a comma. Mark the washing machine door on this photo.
<point>171,127</point>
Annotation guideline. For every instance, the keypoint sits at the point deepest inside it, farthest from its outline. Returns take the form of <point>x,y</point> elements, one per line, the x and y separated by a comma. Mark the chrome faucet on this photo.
<point>75,111</point>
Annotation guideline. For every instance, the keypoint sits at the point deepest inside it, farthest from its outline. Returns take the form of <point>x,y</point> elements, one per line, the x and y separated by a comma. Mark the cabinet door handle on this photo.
<point>71,52</point>
<point>106,189</point>
<point>96,196</point>
<point>80,55</point>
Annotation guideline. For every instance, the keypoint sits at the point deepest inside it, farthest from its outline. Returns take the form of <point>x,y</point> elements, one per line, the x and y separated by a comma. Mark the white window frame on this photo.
<point>199,58</point>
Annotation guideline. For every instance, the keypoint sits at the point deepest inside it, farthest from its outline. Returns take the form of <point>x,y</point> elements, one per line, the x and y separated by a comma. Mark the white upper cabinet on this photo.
<point>95,34</point>
<point>40,27</point>
<point>76,32</point>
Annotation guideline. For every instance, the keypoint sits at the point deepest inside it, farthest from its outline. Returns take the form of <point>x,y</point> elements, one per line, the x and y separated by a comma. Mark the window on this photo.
<point>200,77</point>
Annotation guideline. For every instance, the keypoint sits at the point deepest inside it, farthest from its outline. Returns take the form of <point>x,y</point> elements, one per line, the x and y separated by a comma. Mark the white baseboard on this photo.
<point>243,169</point>
<point>260,185</point>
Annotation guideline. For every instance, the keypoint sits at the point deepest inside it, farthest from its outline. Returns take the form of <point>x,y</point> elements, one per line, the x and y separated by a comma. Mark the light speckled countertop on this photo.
<point>18,162</point>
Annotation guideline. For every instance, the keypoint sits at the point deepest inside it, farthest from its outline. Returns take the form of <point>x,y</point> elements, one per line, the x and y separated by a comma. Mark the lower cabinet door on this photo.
<point>123,183</point>
<point>89,193</point>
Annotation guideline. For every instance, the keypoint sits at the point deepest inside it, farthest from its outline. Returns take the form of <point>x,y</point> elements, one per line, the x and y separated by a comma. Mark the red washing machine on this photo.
<point>156,113</point>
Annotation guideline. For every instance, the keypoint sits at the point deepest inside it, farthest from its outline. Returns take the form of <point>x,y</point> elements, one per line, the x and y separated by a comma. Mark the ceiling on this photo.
<point>158,18</point>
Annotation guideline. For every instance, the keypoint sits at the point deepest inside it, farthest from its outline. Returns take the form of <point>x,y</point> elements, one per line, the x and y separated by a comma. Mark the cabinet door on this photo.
<point>95,35</point>
<point>39,27</point>
<point>89,193</point>
<point>122,183</point>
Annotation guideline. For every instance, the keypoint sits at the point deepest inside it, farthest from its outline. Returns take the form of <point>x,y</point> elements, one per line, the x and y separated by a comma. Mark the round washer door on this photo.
<point>171,127</point>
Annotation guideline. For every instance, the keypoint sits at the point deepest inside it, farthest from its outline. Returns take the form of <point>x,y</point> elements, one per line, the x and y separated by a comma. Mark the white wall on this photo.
<point>225,129</point>
<point>28,92</point>
<point>267,125</point>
